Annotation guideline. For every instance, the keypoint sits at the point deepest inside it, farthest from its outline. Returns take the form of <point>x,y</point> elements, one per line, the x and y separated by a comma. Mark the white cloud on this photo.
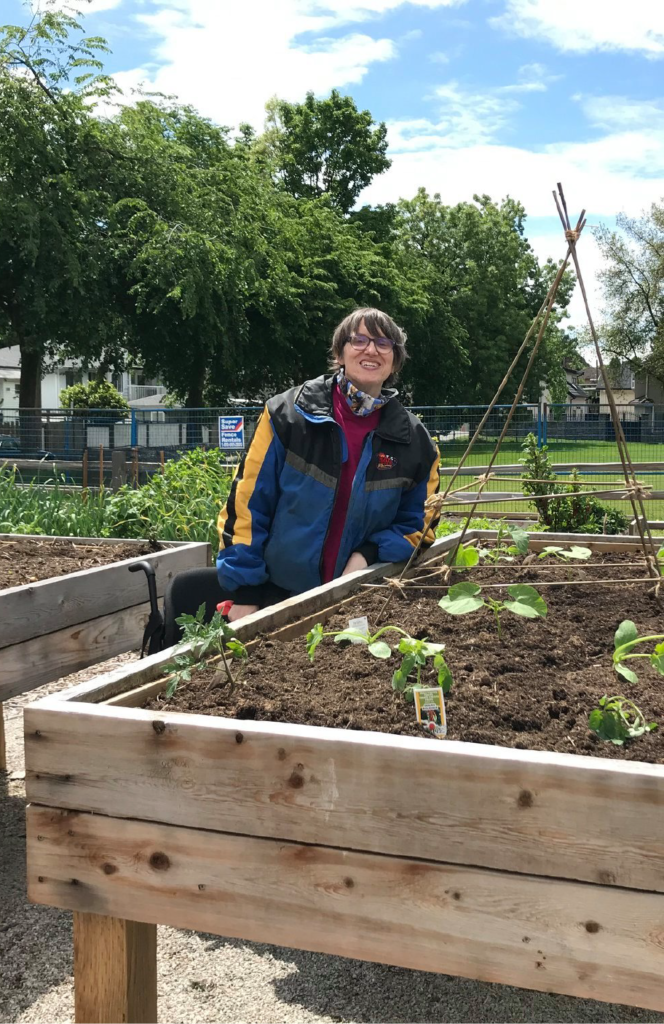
<point>531,78</point>
<point>580,26</point>
<point>439,57</point>
<point>621,112</point>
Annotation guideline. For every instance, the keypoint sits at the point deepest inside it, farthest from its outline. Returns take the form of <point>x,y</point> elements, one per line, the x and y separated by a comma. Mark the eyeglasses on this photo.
<point>360,341</point>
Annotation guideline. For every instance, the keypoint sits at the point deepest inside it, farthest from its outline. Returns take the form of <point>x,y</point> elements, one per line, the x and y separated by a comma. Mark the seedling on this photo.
<point>463,598</point>
<point>618,719</point>
<point>565,554</point>
<point>415,654</point>
<point>465,557</point>
<point>506,553</point>
<point>624,642</point>
<point>206,638</point>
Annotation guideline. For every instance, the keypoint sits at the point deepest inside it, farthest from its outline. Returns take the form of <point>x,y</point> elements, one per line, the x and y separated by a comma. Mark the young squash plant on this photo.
<point>524,600</point>
<point>625,640</point>
<point>501,552</point>
<point>207,639</point>
<point>618,719</point>
<point>576,552</point>
<point>416,653</point>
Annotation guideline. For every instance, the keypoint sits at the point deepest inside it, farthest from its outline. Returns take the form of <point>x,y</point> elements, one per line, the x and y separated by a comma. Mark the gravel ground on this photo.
<point>205,978</point>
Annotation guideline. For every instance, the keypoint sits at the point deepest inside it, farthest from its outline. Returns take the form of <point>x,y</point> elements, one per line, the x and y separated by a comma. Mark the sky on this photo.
<point>503,97</point>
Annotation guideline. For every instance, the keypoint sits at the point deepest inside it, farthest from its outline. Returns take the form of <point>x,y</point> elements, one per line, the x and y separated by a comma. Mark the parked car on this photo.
<point>10,448</point>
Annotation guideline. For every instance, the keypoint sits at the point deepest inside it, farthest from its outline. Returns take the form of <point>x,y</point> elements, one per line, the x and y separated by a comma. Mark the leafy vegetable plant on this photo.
<point>415,654</point>
<point>465,557</point>
<point>624,642</point>
<point>463,598</point>
<point>206,638</point>
<point>618,719</point>
<point>565,554</point>
<point>501,552</point>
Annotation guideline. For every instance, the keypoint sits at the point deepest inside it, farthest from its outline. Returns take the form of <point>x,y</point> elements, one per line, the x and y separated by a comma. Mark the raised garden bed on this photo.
<point>78,606</point>
<point>527,867</point>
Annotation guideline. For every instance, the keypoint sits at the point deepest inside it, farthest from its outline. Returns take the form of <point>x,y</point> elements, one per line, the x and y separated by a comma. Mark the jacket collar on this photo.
<point>315,399</point>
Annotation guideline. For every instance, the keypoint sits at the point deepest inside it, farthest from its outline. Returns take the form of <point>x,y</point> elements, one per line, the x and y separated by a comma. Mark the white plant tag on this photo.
<point>430,709</point>
<point>360,625</point>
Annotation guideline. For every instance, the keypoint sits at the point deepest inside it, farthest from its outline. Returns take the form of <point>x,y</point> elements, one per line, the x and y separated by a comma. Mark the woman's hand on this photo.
<point>355,562</point>
<point>238,611</point>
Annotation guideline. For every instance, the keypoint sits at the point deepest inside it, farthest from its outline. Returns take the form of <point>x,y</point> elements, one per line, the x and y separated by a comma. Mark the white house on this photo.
<point>131,383</point>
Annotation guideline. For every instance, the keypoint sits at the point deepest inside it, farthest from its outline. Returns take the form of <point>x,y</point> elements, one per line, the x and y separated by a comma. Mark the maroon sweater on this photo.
<point>355,429</point>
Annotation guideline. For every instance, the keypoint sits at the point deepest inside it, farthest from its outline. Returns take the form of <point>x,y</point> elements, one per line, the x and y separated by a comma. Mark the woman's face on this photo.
<point>367,369</point>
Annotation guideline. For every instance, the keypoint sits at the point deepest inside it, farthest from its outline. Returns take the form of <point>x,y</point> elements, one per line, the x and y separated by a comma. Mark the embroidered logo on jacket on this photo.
<point>386,461</point>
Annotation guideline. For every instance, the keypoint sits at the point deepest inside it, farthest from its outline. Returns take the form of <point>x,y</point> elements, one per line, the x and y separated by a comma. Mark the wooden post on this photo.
<point>3,748</point>
<point>134,467</point>
<point>115,970</point>
<point>84,479</point>
<point>161,459</point>
<point>101,467</point>
<point>118,469</point>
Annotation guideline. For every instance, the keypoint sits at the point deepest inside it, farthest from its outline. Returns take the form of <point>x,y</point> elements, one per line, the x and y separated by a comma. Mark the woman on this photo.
<point>335,478</point>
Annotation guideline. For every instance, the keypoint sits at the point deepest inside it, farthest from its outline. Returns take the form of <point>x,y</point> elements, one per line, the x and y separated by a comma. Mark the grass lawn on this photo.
<point>559,451</point>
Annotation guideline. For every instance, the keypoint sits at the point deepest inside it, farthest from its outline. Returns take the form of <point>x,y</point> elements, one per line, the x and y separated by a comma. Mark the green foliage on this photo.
<point>578,513</point>
<point>618,719</point>
<point>203,640</point>
<point>415,654</point>
<point>326,147</point>
<point>464,598</point>
<point>501,552</point>
<point>97,394</point>
<point>447,526</point>
<point>465,557</point>
<point>624,642</point>
<point>181,504</point>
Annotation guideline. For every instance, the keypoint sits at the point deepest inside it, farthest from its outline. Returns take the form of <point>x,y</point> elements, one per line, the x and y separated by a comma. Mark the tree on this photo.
<point>53,164</point>
<point>326,147</point>
<point>633,284</point>
<point>96,394</point>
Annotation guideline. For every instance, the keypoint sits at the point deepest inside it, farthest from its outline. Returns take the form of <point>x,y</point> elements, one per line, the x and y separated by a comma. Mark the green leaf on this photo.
<point>520,538</point>
<point>461,599</point>
<point>578,552</point>
<point>657,659</point>
<point>430,649</point>
<point>380,649</point>
<point>626,633</point>
<point>526,601</point>
<point>350,634</point>
<point>237,649</point>
<point>171,688</point>
<point>595,719</point>
<point>625,672</point>
<point>444,675</point>
<point>314,637</point>
<point>465,557</point>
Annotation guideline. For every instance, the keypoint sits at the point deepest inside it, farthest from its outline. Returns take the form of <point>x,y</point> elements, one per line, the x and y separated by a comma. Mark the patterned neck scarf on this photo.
<point>359,402</point>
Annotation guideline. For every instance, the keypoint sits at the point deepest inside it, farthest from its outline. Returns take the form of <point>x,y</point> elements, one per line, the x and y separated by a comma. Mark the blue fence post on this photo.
<point>134,429</point>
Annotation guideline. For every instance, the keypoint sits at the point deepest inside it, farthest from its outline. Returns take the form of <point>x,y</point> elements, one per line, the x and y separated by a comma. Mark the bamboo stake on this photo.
<point>101,467</point>
<point>540,583</point>
<point>134,467</point>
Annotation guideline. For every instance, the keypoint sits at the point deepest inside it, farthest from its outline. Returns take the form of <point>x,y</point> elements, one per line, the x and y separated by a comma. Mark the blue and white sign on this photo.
<point>231,432</point>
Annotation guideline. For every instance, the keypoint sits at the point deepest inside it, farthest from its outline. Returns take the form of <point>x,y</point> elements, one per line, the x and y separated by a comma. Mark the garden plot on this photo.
<point>485,859</point>
<point>79,604</point>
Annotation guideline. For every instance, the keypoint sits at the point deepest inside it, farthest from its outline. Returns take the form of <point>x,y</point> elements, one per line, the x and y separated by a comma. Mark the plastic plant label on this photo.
<point>360,625</point>
<point>430,709</point>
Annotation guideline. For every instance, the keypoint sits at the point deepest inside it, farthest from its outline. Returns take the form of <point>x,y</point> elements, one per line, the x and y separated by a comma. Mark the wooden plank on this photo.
<point>3,745</point>
<point>583,940</point>
<point>516,469</point>
<point>115,970</point>
<point>468,497</point>
<point>526,811</point>
<point>44,658</point>
<point>50,605</point>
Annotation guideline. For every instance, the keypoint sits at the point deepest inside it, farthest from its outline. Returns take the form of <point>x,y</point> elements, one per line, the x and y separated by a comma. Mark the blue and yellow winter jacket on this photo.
<point>273,528</point>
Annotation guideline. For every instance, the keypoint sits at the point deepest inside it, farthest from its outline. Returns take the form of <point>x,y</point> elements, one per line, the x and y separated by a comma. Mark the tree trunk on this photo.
<point>29,399</point>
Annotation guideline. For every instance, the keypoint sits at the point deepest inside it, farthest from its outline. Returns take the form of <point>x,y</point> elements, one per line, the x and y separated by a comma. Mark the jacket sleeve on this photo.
<point>244,522</point>
<point>396,543</point>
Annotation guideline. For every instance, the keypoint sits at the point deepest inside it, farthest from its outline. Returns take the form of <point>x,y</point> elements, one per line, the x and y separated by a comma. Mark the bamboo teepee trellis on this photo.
<point>635,491</point>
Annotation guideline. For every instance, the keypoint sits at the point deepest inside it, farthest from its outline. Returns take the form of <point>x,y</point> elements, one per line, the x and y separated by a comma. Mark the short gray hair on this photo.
<point>378,324</point>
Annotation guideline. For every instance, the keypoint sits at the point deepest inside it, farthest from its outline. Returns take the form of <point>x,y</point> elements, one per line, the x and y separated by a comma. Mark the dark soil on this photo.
<point>533,690</point>
<point>30,559</point>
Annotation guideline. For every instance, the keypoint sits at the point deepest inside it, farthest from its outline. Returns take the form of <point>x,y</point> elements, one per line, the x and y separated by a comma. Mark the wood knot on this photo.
<point>592,927</point>
<point>159,727</point>
<point>239,738</point>
<point>606,877</point>
<point>349,883</point>
<point>525,798</point>
<point>160,862</point>
<point>296,780</point>
<point>109,869</point>
<point>281,754</point>
<point>456,895</point>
